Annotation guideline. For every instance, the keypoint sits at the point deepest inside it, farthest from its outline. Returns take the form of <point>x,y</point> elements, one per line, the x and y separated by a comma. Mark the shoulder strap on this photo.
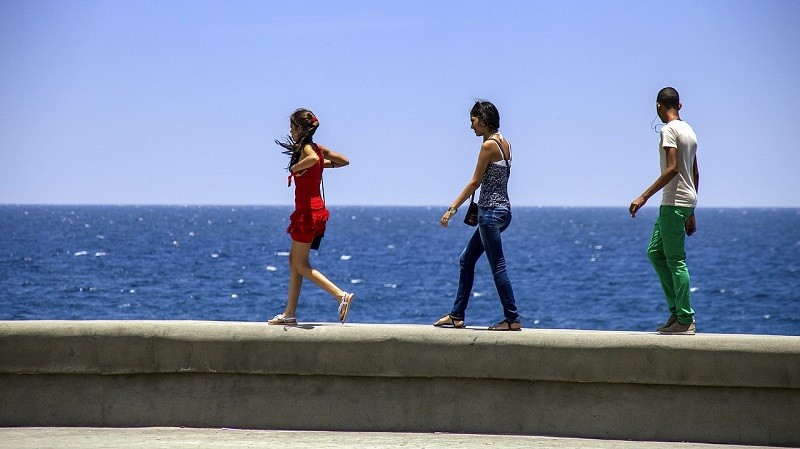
<point>502,153</point>
<point>321,154</point>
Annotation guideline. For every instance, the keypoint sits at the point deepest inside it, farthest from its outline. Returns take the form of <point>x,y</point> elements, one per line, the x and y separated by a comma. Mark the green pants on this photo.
<point>668,256</point>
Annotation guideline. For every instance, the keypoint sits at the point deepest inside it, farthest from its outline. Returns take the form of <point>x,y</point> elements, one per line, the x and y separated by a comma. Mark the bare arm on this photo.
<point>666,176</point>
<point>334,159</point>
<point>308,158</point>
<point>691,222</point>
<point>484,158</point>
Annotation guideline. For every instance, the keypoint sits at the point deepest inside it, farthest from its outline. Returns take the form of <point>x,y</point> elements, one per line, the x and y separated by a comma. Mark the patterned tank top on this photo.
<point>494,186</point>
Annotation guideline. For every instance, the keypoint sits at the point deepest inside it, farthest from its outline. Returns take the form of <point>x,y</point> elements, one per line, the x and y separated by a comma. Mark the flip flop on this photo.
<point>449,321</point>
<point>506,325</point>
<point>344,306</point>
<point>279,319</point>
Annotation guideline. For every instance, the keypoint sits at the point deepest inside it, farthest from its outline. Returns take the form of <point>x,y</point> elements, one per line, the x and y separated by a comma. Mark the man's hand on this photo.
<point>636,205</point>
<point>691,225</point>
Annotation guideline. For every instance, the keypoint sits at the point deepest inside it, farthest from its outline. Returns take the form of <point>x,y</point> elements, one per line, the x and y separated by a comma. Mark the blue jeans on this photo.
<point>491,222</point>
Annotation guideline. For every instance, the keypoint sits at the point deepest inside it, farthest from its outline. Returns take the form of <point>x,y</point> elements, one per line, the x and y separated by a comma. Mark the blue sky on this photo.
<point>123,102</point>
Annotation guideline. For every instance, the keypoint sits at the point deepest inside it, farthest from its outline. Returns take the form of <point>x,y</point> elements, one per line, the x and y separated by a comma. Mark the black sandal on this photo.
<point>450,321</point>
<point>506,325</point>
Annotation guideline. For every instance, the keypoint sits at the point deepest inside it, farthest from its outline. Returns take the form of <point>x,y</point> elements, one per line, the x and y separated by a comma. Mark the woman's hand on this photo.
<point>334,159</point>
<point>296,173</point>
<point>446,218</point>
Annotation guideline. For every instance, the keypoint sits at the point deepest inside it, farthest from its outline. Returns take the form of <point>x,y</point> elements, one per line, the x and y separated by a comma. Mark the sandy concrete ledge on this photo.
<point>178,438</point>
<point>736,389</point>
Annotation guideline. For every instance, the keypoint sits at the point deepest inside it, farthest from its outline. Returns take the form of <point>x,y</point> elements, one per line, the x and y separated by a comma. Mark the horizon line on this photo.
<point>288,205</point>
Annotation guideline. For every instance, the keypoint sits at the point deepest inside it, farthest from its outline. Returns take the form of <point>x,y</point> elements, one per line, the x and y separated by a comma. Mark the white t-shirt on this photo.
<point>681,191</point>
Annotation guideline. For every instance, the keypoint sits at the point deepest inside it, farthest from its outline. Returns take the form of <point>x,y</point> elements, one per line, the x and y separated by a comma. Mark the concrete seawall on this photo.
<point>736,389</point>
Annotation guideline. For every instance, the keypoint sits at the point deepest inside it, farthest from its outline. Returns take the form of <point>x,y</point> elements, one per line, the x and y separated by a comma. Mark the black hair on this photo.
<point>308,124</point>
<point>487,113</point>
<point>668,98</point>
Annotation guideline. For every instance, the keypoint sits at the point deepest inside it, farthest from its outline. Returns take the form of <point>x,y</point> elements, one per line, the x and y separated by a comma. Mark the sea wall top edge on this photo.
<point>378,350</point>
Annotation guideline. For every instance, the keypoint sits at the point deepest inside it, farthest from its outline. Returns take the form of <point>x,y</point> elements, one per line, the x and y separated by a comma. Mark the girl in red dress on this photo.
<point>307,222</point>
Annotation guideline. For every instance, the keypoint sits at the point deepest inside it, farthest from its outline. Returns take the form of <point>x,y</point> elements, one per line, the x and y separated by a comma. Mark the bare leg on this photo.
<point>298,261</point>
<point>295,283</point>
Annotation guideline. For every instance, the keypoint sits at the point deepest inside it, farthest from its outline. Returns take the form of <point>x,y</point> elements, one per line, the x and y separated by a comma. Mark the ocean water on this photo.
<point>573,268</point>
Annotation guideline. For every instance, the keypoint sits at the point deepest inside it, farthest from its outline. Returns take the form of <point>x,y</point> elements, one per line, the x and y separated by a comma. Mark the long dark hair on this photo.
<point>487,113</point>
<point>308,124</point>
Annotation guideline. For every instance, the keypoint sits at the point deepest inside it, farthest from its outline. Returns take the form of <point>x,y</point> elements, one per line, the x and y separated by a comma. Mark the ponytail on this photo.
<point>308,123</point>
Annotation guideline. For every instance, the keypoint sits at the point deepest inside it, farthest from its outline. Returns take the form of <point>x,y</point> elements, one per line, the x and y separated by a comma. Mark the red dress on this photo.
<point>310,215</point>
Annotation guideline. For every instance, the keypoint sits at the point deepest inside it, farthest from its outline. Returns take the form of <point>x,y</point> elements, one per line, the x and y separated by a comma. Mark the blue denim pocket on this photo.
<point>499,217</point>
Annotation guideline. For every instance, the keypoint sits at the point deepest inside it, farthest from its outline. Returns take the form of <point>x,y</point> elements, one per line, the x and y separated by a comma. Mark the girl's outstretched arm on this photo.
<point>334,159</point>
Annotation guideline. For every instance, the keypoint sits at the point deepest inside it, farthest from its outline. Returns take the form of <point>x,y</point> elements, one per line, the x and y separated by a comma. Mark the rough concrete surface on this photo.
<point>723,389</point>
<point>177,438</point>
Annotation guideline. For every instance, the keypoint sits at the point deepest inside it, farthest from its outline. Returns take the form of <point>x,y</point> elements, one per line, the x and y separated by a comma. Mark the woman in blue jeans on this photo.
<point>494,215</point>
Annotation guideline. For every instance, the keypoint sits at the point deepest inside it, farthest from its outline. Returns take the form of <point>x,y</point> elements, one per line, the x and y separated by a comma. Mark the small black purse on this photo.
<point>318,238</point>
<point>471,217</point>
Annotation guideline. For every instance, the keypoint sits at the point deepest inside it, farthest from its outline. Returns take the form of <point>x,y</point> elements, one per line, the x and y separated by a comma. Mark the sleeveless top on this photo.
<point>494,186</point>
<point>310,215</point>
<point>307,195</point>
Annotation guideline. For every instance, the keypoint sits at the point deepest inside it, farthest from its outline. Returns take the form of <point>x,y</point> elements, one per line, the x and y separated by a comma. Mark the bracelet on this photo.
<point>452,210</point>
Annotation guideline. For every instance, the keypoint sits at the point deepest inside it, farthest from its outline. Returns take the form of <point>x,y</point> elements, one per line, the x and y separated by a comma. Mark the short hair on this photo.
<point>668,98</point>
<point>487,113</point>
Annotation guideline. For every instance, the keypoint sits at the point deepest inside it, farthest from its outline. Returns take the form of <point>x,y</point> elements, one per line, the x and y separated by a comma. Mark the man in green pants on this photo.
<point>679,180</point>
